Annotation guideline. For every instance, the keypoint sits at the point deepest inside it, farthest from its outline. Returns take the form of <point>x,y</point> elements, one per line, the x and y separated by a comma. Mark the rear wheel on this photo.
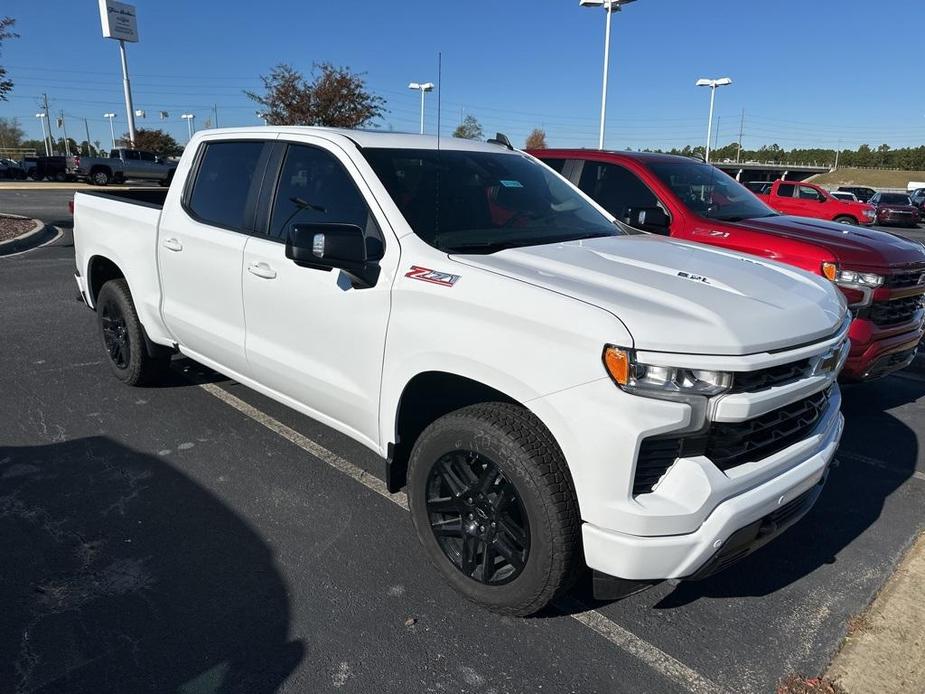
<point>845,219</point>
<point>493,505</point>
<point>123,337</point>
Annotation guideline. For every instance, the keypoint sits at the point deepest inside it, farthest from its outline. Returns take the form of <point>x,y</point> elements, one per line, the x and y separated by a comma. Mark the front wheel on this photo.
<point>123,337</point>
<point>845,219</point>
<point>99,178</point>
<point>493,505</point>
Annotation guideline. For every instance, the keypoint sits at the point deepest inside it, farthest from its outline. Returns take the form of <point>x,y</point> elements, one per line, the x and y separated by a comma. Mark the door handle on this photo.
<point>173,245</point>
<point>262,270</point>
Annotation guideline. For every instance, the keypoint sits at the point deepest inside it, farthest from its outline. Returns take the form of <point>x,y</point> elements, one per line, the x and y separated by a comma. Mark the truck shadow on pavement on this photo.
<point>851,502</point>
<point>121,574</point>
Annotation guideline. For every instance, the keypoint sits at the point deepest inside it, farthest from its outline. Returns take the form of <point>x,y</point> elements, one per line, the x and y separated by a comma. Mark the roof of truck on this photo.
<point>366,138</point>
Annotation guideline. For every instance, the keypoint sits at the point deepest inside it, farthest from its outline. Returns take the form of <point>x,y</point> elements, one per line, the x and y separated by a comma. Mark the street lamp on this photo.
<point>45,138</point>
<point>189,118</point>
<point>112,132</point>
<point>712,84</point>
<point>610,6</point>
<point>263,116</point>
<point>423,87</point>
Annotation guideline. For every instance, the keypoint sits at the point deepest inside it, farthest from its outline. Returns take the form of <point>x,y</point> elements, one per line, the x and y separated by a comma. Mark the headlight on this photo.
<point>851,277</point>
<point>665,382</point>
<point>870,214</point>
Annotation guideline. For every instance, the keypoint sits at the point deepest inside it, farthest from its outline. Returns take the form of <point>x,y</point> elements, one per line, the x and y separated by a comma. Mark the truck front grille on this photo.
<point>755,381</point>
<point>905,279</point>
<point>886,313</point>
<point>729,445</point>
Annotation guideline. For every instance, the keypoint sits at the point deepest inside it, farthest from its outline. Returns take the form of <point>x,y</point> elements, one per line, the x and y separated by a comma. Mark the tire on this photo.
<point>515,477</point>
<point>846,219</point>
<point>123,337</point>
<point>99,177</point>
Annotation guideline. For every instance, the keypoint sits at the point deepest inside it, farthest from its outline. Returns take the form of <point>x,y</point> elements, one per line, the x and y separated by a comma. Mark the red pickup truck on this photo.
<point>882,275</point>
<point>808,200</point>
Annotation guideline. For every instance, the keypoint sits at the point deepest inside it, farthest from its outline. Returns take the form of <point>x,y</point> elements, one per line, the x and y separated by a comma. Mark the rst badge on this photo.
<point>433,276</point>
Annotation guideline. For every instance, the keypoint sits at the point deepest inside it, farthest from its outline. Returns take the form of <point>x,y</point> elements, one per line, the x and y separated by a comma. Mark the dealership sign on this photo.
<point>119,21</point>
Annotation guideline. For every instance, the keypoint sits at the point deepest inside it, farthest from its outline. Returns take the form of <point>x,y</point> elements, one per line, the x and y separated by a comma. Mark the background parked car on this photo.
<point>122,164</point>
<point>29,165</point>
<point>11,170</point>
<point>55,168</point>
<point>808,200</point>
<point>917,198</point>
<point>895,208</point>
<point>862,193</point>
<point>759,187</point>
<point>843,195</point>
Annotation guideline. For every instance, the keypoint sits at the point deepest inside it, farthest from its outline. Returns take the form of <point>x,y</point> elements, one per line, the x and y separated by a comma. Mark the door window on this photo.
<point>131,155</point>
<point>314,187</point>
<point>615,188</point>
<point>786,190</point>
<point>146,156</point>
<point>556,165</point>
<point>808,193</point>
<point>221,193</point>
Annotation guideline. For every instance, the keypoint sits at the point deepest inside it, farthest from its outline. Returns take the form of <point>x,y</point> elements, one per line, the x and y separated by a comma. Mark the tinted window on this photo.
<point>315,188</point>
<point>220,194</point>
<point>785,190</point>
<point>146,156</point>
<point>707,191</point>
<point>114,154</point>
<point>131,155</point>
<point>807,193</point>
<point>483,202</point>
<point>614,188</point>
<point>894,198</point>
<point>555,164</point>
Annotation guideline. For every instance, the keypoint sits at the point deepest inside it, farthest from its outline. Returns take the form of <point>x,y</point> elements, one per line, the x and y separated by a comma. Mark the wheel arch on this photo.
<point>427,396</point>
<point>101,270</point>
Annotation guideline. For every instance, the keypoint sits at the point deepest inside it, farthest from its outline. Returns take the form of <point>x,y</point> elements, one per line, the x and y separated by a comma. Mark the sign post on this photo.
<point>119,21</point>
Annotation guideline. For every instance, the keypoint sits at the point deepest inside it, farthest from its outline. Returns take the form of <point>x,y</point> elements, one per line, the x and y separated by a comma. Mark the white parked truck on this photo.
<point>549,386</point>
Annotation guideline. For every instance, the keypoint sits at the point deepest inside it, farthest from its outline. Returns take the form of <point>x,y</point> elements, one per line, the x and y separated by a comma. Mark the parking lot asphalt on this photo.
<point>198,537</point>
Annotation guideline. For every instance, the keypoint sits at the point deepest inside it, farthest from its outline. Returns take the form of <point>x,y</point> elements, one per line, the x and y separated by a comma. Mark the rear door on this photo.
<point>619,191</point>
<point>311,335</point>
<point>200,250</point>
<point>783,199</point>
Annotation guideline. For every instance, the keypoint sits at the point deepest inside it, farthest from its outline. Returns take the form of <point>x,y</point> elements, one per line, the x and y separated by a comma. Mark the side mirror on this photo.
<point>651,219</point>
<point>332,246</point>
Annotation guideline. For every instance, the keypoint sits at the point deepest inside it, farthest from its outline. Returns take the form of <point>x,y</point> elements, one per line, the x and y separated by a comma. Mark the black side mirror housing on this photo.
<point>330,247</point>
<point>651,219</point>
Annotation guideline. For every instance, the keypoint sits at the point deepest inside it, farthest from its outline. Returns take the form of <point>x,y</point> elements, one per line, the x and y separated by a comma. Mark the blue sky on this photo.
<point>825,72</point>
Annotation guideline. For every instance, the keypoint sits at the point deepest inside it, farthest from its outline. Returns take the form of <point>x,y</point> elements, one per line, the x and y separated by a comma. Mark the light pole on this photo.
<point>42,118</point>
<point>112,132</point>
<point>263,116</point>
<point>423,87</point>
<point>712,84</point>
<point>610,6</point>
<point>189,118</point>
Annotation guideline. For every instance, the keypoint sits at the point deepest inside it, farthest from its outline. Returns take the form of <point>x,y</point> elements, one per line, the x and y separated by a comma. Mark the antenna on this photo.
<point>439,94</point>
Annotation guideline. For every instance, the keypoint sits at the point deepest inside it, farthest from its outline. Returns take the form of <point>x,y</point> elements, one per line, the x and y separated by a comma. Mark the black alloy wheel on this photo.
<point>478,517</point>
<point>115,334</point>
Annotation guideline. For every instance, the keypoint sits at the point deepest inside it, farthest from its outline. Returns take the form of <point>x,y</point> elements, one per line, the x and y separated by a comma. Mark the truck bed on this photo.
<point>148,197</point>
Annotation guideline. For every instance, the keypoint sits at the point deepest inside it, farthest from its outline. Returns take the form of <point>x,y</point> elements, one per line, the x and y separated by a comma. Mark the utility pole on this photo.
<point>215,113</point>
<point>67,145</point>
<point>741,130</point>
<point>51,142</point>
<point>87,128</point>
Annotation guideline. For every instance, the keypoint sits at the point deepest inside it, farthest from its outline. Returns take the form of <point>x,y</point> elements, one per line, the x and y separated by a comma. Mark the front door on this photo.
<point>311,335</point>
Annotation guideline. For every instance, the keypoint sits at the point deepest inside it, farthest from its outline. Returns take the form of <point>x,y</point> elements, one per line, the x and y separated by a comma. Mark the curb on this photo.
<point>41,233</point>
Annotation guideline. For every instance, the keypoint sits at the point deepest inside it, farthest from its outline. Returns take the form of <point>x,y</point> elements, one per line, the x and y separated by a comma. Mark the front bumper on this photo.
<point>877,351</point>
<point>733,522</point>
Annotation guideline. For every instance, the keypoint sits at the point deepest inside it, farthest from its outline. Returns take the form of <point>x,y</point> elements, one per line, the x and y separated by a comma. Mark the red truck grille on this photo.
<point>886,313</point>
<point>903,280</point>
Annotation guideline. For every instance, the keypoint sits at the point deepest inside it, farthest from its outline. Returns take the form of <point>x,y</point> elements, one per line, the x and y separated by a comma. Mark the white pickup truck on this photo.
<point>550,386</point>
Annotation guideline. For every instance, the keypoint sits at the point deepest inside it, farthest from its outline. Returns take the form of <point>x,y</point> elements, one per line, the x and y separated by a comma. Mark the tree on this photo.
<point>6,32</point>
<point>536,140</point>
<point>335,97</point>
<point>155,140</point>
<point>11,133</point>
<point>469,129</point>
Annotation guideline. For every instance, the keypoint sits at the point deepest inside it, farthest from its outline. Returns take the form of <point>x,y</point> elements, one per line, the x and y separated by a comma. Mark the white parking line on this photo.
<point>654,657</point>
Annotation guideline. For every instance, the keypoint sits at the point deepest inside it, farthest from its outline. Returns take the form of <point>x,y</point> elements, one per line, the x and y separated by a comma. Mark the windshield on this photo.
<point>482,202</point>
<point>894,198</point>
<point>707,191</point>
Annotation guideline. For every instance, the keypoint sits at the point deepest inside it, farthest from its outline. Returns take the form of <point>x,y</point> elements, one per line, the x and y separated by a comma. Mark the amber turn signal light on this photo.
<point>830,270</point>
<point>617,363</point>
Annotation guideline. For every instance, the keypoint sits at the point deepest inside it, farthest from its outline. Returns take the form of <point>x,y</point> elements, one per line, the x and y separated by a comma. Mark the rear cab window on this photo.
<point>223,191</point>
<point>786,190</point>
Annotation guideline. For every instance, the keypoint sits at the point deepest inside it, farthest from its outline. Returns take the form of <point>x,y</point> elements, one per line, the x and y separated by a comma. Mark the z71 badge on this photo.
<point>433,276</point>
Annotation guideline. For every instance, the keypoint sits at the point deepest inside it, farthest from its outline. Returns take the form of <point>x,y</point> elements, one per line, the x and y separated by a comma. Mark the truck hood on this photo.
<point>681,297</point>
<point>854,247</point>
